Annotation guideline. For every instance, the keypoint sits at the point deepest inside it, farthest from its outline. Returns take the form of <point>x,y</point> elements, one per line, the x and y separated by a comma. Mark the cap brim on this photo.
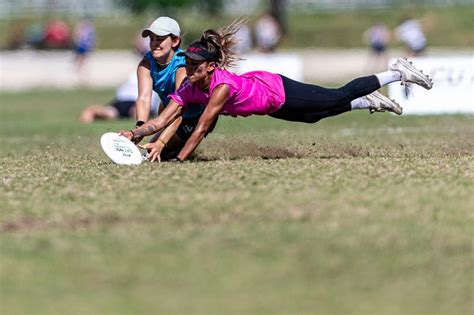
<point>191,55</point>
<point>146,32</point>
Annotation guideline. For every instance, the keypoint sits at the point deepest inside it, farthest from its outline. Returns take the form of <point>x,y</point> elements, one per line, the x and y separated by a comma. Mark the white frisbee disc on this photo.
<point>120,150</point>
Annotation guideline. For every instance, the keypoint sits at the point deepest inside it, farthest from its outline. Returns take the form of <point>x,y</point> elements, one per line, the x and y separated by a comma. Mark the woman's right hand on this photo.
<point>154,150</point>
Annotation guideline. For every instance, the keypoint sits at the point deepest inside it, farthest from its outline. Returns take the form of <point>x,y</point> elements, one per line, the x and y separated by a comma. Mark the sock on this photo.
<point>388,76</point>
<point>360,103</point>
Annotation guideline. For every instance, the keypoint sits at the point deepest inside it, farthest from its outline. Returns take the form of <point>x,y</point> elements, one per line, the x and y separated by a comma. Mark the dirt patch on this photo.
<point>241,149</point>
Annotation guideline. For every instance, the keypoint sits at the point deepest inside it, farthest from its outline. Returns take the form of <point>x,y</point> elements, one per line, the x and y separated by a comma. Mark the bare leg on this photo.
<point>94,112</point>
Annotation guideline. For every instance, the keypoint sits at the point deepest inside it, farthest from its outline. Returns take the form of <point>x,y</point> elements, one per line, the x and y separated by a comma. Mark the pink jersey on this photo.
<point>252,93</point>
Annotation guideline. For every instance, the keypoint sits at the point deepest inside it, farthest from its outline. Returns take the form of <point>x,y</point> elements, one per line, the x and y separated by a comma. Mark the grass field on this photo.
<point>358,214</point>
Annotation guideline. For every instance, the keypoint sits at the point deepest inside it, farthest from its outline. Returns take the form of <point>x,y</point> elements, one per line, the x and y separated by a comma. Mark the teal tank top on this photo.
<point>164,82</point>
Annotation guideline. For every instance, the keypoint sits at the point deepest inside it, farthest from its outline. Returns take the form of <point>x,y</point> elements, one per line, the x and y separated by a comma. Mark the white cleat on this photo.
<point>410,74</point>
<point>381,103</point>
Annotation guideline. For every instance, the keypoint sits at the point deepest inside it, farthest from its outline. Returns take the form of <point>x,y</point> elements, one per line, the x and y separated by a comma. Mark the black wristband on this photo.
<point>139,123</point>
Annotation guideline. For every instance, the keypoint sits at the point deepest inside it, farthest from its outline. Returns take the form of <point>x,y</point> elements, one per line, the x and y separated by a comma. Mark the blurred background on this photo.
<point>308,38</point>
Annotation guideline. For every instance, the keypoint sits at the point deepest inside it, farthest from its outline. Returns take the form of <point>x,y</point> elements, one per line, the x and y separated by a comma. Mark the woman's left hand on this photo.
<point>126,133</point>
<point>130,136</point>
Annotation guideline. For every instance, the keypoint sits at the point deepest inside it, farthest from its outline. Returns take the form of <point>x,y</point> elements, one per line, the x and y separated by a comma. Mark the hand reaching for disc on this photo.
<point>126,133</point>
<point>154,150</point>
<point>129,135</point>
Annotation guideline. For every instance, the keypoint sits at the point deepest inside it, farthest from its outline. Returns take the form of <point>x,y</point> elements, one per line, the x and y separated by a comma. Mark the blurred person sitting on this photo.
<point>122,106</point>
<point>57,35</point>
<point>410,32</point>
<point>84,41</point>
<point>267,33</point>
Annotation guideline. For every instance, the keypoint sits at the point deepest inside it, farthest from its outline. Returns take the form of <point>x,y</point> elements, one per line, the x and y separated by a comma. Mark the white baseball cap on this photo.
<point>162,26</point>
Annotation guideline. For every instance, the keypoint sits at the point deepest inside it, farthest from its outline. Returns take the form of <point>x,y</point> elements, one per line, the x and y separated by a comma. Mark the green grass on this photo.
<point>358,214</point>
<point>449,27</point>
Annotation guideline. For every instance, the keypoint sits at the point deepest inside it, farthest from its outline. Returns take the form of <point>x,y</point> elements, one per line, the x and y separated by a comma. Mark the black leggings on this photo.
<point>311,103</point>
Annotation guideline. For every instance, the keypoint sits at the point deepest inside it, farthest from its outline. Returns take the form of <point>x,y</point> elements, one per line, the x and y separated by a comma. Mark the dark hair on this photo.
<point>222,43</point>
<point>180,40</point>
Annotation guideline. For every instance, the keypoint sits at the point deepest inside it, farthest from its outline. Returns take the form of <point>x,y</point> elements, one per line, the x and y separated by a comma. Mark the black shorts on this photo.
<point>189,124</point>
<point>123,107</point>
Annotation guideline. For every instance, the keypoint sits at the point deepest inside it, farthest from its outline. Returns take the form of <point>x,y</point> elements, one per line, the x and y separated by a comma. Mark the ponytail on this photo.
<point>222,43</point>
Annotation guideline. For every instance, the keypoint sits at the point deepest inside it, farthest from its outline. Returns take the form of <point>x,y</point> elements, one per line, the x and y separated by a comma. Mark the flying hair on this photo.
<point>222,43</point>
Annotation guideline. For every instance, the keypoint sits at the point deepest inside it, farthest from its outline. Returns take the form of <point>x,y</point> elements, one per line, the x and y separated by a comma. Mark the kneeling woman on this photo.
<point>263,93</point>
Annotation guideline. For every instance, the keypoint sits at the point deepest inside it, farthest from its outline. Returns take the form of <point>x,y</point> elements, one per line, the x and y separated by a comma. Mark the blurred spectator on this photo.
<point>377,37</point>
<point>244,39</point>
<point>84,41</point>
<point>122,106</point>
<point>142,44</point>
<point>34,35</point>
<point>57,35</point>
<point>16,35</point>
<point>267,33</point>
<point>410,32</point>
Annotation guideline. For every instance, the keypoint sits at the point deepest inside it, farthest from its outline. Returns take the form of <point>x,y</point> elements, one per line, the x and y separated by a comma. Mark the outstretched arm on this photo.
<point>219,97</point>
<point>169,114</point>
